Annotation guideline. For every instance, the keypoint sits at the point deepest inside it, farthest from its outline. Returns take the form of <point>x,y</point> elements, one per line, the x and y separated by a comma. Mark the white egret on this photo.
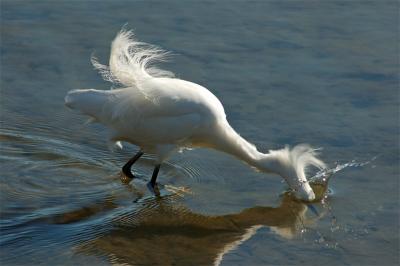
<point>162,114</point>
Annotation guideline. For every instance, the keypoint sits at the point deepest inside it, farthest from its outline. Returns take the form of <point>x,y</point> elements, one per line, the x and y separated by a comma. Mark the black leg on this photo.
<point>154,176</point>
<point>126,169</point>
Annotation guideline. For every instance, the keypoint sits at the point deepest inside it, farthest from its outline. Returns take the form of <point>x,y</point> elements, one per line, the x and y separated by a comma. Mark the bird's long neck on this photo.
<point>229,141</point>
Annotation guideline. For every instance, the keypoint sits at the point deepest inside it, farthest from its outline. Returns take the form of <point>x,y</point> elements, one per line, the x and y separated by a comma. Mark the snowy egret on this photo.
<point>162,114</point>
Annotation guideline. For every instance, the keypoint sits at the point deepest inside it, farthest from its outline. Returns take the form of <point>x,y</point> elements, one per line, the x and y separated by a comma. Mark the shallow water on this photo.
<point>287,72</point>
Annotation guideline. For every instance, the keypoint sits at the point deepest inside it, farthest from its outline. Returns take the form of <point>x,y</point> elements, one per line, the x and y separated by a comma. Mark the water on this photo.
<point>287,72</point>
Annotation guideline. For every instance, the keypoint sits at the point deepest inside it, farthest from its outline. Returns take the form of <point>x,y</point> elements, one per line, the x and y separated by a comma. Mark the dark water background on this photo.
<point>287,72</point>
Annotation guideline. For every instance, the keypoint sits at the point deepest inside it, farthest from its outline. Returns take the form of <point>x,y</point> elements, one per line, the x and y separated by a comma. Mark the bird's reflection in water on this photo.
<point>163,232</point>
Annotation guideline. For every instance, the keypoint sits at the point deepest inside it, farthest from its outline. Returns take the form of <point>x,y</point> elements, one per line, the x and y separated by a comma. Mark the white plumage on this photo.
<point>162,114</point>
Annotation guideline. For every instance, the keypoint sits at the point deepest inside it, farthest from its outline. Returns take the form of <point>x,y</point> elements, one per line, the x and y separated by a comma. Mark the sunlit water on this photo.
<point>287,72</point>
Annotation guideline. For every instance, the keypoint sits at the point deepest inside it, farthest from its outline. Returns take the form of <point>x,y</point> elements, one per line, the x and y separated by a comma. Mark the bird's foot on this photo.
<point>126,177</point>
<point>154,188</point>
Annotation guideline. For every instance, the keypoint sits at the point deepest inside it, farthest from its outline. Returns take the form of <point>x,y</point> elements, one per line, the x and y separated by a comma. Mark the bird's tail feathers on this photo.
<point>131,61</point>
<point>88,101</point>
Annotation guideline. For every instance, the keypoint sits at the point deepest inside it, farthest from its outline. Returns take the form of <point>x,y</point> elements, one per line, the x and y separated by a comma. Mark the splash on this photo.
<point>319,182</point>
<point>325,174</point>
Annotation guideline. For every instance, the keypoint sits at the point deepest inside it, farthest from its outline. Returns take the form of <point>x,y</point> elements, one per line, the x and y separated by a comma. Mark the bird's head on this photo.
<point>291,165</point>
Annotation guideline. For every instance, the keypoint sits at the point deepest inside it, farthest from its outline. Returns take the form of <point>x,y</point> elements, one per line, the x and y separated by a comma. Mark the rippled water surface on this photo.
<point>288,72</point>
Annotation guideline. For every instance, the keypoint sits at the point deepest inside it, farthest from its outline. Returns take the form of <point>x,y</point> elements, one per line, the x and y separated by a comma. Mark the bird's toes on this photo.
<point>126,177</point>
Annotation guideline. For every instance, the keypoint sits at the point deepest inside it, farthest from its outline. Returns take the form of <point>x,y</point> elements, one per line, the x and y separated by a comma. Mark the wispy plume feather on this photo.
<point>299,158</point>
<point>131,61</point>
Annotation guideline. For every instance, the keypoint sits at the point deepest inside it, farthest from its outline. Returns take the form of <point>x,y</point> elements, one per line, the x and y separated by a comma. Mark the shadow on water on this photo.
<point>160,231</point>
